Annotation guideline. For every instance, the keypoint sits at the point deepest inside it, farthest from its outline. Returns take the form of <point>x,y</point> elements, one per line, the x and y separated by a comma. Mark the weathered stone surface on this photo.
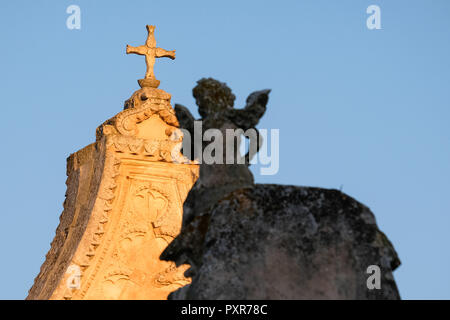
<point>284,242</point>
<point>123,207</point>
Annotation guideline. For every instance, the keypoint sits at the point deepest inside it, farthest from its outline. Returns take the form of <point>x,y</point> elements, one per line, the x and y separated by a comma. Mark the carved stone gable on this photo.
<point>124,205</point>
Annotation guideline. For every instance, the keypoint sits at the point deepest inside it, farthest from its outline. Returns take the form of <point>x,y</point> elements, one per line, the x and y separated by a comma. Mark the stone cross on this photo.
<point>150,51</point>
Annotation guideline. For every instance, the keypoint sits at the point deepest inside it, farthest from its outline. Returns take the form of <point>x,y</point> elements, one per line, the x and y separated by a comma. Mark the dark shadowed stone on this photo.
<point>215,104</point>
<point>247,241</point>
<point>284,242</point>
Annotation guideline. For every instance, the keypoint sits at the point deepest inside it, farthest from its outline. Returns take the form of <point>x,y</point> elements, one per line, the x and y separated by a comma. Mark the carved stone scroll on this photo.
<point>124,205</point>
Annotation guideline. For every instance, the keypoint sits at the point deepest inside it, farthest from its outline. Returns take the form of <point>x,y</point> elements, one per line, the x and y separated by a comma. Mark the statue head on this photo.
<point>212,96</point>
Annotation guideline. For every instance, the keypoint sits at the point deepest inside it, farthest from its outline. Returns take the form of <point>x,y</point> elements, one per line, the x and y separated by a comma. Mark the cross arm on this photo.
<point>138,50</point>
<point>160,53</point>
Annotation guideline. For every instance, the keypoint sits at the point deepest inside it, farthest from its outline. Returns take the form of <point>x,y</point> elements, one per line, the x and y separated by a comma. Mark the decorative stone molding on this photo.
<point>124,205</point>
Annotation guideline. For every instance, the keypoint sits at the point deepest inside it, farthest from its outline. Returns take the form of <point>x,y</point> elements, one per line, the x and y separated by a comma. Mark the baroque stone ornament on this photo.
<point>124,204</point>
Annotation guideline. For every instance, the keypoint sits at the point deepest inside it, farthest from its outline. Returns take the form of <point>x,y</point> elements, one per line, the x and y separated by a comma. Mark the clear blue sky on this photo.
<point>365,110</point>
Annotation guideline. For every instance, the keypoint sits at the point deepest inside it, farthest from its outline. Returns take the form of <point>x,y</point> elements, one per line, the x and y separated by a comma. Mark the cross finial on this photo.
<point>150,51</point>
